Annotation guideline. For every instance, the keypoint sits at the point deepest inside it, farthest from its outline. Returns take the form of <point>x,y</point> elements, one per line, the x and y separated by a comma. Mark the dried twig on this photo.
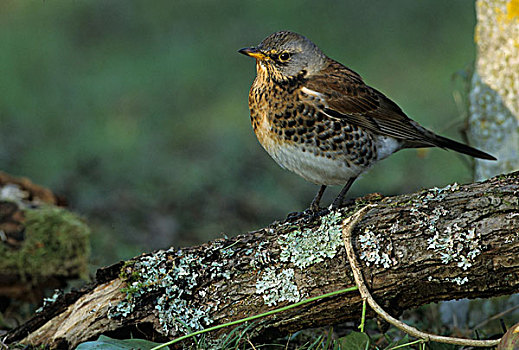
<point>349,224</point>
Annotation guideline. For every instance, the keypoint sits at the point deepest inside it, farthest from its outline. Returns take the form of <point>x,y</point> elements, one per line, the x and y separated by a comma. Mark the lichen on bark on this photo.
<point>493,98</point>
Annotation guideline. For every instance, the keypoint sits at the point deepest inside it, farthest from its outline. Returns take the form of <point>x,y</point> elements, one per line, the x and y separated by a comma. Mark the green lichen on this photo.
<point>261,255</point>
<point>50,300</point>
<point>375,249</point>
<point>439,194</point>
<point>493,128</point>
<point>173,277</point>
<point>301,247</point>
<point>277,286</point>
<point>453,243</point>
<point>56,244</point>
<point>311,246</point>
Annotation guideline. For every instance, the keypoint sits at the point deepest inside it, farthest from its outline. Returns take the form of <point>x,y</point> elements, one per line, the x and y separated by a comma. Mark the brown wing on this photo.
<point>349,98</point>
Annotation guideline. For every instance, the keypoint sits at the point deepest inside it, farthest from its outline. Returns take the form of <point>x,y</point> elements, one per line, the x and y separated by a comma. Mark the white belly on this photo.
<point>317,169</point>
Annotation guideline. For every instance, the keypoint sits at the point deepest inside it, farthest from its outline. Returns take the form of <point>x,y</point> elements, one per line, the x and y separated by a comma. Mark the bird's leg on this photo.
<point>311,212</point>
<point>314,206</point>
<point>338,201</point>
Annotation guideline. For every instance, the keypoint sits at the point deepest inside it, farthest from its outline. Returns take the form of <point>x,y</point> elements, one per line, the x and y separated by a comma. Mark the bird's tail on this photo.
<point>444,142</point>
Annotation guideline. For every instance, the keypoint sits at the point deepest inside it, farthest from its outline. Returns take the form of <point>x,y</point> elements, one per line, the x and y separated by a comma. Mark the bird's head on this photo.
<point>284,55</point>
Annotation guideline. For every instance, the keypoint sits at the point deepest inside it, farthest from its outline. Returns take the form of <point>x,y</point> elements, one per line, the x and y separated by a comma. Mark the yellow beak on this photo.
<point>253,52</point>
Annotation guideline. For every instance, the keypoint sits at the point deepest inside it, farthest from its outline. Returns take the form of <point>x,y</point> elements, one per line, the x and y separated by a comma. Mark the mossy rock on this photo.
<point>55,247</point>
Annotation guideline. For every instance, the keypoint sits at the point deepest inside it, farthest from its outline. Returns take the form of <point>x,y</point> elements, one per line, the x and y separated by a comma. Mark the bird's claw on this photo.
<point>295,215</point>
<point>308,215</point>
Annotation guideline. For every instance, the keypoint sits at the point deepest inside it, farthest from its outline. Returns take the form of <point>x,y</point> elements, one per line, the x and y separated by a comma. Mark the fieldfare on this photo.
<point>318,119</point>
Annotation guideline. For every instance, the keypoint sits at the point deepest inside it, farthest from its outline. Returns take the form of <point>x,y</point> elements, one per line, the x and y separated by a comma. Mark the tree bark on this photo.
<point>438,244</point>
<point>493,102</point>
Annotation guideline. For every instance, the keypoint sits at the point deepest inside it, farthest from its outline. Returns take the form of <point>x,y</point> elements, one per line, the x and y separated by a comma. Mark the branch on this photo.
<point>349,225</point>
<point>439,244</point>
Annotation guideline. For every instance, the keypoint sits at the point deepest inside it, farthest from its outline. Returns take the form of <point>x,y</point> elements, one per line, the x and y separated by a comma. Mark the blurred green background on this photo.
<point>136,111</point>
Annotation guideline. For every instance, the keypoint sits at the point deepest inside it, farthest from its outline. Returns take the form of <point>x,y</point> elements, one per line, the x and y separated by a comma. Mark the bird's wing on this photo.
<point>347,97</point>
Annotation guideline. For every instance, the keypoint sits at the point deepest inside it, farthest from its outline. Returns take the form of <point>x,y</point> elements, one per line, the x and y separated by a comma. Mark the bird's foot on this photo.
<point>311,214</point>
<point>314,207</point>
<point>308,215</point>
<point>344,203</point>
<point>296,215</point>
<point>337,203</point>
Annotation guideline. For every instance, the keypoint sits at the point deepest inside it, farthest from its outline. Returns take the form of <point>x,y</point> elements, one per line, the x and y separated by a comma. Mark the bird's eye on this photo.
<point>285,56</point>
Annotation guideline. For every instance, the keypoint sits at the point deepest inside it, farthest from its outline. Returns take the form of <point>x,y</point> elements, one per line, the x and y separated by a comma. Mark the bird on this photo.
<point>319,119</point>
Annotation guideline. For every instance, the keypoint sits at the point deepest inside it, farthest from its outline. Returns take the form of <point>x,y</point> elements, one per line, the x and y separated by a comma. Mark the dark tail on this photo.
<point>444,142</point>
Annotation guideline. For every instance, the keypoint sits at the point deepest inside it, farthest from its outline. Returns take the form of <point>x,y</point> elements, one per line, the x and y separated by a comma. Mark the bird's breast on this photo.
<point>267,101</point>
<point>292,128</point>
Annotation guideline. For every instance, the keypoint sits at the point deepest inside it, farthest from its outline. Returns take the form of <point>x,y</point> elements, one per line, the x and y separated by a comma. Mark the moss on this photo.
<point>56,244</point>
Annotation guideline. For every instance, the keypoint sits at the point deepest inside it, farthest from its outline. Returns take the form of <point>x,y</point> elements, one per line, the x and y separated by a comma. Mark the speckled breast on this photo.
<point>290,126</point>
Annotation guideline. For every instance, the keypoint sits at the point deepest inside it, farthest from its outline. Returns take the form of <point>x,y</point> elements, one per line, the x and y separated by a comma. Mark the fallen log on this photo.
<point>438,244</point>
